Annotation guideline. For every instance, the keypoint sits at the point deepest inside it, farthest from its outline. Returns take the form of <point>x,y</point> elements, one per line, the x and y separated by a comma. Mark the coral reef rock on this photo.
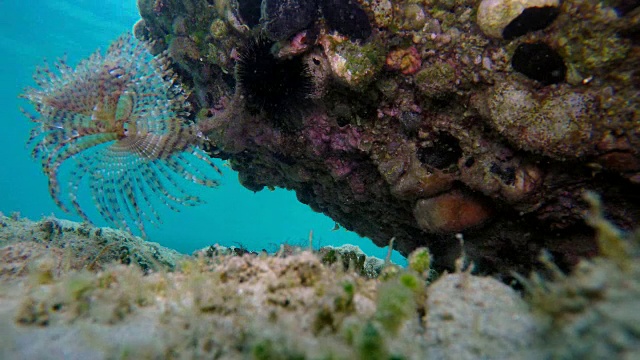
<point>433,119</point>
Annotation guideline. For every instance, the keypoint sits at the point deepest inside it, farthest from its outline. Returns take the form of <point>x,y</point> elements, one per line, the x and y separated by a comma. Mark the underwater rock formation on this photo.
<point>481,118</point>
<point>427,124</point>
<point>301,304</point>
<point>67,245</point>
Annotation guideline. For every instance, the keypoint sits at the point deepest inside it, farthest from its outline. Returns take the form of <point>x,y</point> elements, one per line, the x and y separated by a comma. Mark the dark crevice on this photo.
<point>531,19</point>
<point>444,152</point>
<point>506,174</point>
<point>249,11</point>
<point>538,61</point>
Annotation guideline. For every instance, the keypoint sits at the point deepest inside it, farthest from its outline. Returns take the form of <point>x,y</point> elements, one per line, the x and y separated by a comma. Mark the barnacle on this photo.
<point>122,118</point>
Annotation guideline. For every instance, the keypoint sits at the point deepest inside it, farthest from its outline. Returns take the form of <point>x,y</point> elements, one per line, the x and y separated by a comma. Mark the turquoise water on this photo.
<point>38,29</point>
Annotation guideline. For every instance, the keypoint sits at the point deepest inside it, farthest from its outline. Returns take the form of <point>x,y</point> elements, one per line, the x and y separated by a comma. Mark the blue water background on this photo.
<point>37,29</point>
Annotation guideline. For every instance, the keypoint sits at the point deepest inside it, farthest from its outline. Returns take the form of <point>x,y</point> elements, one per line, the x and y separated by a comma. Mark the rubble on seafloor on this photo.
<point>418,120</point>
<point>62,295</point>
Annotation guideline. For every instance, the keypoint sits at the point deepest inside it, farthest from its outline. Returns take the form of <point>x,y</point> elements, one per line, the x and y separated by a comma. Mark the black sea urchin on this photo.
<point>283,18</point>
<point>278,89</point>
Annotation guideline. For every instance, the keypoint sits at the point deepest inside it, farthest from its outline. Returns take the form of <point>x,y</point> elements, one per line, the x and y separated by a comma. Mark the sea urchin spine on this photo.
<point>278,89</point>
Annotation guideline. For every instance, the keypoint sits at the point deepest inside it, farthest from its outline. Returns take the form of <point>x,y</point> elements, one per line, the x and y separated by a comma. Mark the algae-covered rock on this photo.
<point>592,312</point>
<point>228,305</point>
<point>353,64</point>
<point>296,304</point>
<point>80,245</point>
<point>559,124</point>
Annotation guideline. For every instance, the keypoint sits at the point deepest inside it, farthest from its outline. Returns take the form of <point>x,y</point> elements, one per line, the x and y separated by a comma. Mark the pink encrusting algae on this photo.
<point>122,118</point>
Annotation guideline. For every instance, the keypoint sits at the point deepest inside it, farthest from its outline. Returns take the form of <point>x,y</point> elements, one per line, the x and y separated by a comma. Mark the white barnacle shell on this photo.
<point>494,15</point>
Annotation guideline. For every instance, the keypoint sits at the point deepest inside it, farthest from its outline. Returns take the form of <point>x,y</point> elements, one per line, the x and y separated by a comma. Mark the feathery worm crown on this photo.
<point>122,117</point>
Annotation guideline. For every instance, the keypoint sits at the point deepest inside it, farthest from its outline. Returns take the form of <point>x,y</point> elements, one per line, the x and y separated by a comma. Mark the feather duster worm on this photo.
<point>122,118</point>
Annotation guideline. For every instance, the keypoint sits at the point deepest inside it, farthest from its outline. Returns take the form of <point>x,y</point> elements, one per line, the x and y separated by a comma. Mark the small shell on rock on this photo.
<point>509,19</point>
<point>450,212</point>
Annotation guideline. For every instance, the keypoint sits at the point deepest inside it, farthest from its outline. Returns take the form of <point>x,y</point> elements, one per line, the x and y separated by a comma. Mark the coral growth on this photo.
<point>70,245</point>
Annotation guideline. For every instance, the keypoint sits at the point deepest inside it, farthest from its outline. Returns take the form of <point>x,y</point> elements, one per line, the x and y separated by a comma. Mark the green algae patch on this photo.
<point>395,305</point>
<point>593,43</point>
<point>356,65</point>
<point>420,261</point>
<point>435,79</point>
